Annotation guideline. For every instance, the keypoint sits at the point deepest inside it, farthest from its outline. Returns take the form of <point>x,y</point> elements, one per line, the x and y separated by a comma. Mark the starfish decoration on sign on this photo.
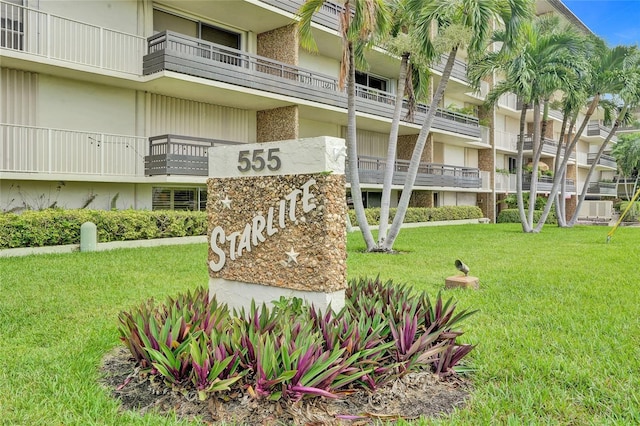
<point>292,256</point>
<point>226,203</point>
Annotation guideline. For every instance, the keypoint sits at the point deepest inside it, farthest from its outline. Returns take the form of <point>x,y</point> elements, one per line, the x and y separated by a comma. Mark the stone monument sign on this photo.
<point>277,222</point>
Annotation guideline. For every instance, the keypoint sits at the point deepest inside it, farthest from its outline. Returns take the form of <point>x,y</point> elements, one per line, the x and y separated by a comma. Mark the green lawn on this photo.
<point>558,330</point>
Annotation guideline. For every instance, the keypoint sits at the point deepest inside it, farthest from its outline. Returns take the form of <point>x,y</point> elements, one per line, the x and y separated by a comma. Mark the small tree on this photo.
<point>627,155</point>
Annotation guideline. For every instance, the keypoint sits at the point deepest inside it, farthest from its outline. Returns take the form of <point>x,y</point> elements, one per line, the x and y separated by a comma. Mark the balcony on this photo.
<point>603,189</point>
<point>606,161</point>
<point>179,155</point>
<point>47,36</point>
<point>371,171</point>
<point>186,55</point>
<point>545,183</point>
<point>550,147</point>
<point>599,130</point>
<point>328,17</point>
<point>507,183</point>
<point>28,149</point>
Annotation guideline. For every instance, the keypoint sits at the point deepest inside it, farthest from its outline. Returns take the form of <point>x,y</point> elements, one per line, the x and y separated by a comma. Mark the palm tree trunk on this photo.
<point>519,171</point>
<point>385,204</point>
<point>537,143</point>
<point>583,194</point>
<point>352,154</point>
<point>417,152</point>
<point>558,173</point>
<point>556,184</point>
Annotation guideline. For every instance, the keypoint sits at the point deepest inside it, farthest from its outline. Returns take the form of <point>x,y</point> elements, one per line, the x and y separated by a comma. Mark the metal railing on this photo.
<point>180,155</point>
<point>32,149</point>
<point>44,34</point>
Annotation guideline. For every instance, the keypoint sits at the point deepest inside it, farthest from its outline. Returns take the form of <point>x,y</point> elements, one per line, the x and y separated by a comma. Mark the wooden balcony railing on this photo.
<point>179,155</point>
<point>604,160</point>
<point>175,52</point>
<point>371,171</point>
<point>603,188</point>
<point>550,147</point>
<point>545,183</point>
<point>28,149</point>
<point>54,37</point>
<point>596,128</point>
<point>507,183</point>
<point>328,17</point>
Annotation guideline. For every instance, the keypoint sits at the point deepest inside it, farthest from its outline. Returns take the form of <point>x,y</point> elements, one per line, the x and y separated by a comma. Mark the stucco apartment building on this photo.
<point>114,103</point>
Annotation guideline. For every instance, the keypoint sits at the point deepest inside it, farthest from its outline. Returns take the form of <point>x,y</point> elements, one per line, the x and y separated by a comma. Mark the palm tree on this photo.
<point>545,60</point>
<point>362,23</point>
<point>412,82</point>
<point>461,24</point>
<point>606,75</point>
<point>627,154</point>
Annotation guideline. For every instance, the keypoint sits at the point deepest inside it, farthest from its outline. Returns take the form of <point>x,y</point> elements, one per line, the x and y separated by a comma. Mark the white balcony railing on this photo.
<point>509,100</point>
<point>42,150</point>
<point>485,178</point>
<point>43,34</point>
<point>506,141</point>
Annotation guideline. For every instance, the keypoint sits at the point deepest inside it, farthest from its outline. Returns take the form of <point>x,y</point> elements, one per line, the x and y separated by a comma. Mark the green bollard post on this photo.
<point>88,237</point>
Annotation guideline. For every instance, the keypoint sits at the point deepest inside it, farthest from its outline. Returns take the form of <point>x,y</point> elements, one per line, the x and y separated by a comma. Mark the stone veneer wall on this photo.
<point>571,203</point>
<point>318,236</point>
<point>277,124</point>
<point>280,44</point>
<point>421,199</point>
<point>406,143</point>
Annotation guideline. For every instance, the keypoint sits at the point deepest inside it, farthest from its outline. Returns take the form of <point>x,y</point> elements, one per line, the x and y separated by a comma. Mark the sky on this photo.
<point>616,21</point>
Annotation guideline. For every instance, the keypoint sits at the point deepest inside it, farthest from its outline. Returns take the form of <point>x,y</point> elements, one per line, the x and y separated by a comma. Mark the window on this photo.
<point>371,81</point>
<point>11,25</point>
<point>166,21</point>
<point>219,36</point>
<point>512,165</point>
<point>193,199</point>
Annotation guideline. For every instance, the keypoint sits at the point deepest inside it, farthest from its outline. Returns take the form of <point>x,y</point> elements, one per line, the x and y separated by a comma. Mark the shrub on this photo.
<point>294,351</point>
<point>512,216</point>
<point>59,227</point>
<point>422,214</point>
<point>633,215</point>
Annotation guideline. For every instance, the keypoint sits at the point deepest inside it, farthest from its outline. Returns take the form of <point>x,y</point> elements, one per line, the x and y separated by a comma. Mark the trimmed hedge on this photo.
<point>422,214</point>
<point>512,216</point>
<point>58,227</point>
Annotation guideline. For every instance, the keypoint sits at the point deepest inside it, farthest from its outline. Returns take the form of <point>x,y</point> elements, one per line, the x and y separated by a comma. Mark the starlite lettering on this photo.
<point>259,229</point>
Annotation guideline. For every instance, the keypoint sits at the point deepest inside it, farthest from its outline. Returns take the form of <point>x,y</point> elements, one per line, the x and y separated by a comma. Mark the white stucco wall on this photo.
<point>75,105</point>
<point>317,63</point>
<point>121,15</point>
<point>71,195</point>
<point>311,128</point>
<point>454,155</point>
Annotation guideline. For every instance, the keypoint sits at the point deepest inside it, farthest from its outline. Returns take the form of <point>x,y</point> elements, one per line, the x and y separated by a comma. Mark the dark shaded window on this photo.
<point>220,36</point>
<point>179,199</point>
<point>371,81</point>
